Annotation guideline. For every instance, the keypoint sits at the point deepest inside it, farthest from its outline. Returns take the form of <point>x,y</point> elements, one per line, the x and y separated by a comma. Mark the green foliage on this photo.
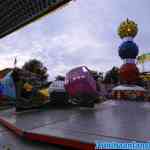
<point>60,78</point>
<point>97,75</point>
<point>37,67</point>
<point>112,76</point>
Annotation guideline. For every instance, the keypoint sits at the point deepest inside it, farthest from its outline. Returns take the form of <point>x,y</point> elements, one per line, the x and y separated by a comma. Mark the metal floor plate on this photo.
<point>116,121</point>
<point>35,119</point>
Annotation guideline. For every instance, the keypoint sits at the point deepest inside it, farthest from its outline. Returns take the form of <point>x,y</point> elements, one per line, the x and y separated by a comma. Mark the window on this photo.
<point>84,69</point>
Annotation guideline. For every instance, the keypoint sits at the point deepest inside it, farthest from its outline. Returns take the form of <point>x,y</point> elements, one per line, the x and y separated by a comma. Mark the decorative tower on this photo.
<point>128,52</point>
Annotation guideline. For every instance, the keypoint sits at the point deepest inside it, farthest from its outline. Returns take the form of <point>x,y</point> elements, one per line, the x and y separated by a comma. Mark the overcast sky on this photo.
<point>82,33</point>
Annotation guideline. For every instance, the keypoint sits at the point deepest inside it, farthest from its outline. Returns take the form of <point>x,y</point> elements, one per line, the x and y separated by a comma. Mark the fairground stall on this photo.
<point>126,92</point>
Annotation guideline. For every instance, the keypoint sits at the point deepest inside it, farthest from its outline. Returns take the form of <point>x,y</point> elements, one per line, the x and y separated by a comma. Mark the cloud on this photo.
<point>82,33</point>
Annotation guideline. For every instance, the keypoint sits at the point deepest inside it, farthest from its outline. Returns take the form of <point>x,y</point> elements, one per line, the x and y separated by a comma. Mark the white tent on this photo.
<point>128,88</point>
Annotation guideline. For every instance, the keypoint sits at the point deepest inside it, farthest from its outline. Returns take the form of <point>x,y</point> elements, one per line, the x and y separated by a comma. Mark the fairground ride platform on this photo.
<point>10,141</point>
<point>79,128</point>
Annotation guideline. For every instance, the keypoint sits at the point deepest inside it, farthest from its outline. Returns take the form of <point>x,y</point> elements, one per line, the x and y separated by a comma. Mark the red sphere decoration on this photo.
<point>129,73</point>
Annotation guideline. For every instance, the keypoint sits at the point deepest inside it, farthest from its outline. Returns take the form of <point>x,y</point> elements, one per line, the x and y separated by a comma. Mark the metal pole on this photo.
<point>143,68</point>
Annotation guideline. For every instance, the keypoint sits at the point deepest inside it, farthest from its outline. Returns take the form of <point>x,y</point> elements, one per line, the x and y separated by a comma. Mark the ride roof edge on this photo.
<point>34,18</point>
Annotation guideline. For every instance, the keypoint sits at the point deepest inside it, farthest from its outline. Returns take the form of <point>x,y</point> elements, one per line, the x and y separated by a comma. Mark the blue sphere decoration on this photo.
<point>128,49</point>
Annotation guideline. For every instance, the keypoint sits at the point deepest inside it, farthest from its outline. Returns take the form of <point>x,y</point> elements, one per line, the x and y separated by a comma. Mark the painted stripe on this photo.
<point>59,141</point>
<point>11,127</point>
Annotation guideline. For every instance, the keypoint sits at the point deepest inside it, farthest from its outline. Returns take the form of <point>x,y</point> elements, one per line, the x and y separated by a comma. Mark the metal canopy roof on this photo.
<point>128,88</point>
<point>17,13</point>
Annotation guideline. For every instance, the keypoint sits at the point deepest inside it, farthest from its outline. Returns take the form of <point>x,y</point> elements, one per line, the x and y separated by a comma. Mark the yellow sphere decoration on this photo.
<point>28,87</point>
<point>127,28</point>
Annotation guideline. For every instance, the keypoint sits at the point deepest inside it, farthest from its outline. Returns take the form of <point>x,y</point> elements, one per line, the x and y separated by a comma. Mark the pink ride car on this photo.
<point>81,86</point>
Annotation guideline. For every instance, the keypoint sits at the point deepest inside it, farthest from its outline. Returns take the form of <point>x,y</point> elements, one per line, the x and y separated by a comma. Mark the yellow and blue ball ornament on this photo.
<point>127,28</point>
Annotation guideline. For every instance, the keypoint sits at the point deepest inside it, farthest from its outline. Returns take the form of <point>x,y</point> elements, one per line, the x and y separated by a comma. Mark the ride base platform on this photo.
<point>79,128</point>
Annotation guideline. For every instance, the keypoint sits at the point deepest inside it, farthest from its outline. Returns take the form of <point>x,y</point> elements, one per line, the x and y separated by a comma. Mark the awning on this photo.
<point>128,88</point>
<point>17,13</point>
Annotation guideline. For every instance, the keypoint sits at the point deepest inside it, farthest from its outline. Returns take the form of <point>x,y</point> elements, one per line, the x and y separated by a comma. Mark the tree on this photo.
<point>94,74</point>
<point>100,76</point>
<point>97,75</point>
<point>112,76</point>
<point>60,78</point>
<point>37,67</point>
